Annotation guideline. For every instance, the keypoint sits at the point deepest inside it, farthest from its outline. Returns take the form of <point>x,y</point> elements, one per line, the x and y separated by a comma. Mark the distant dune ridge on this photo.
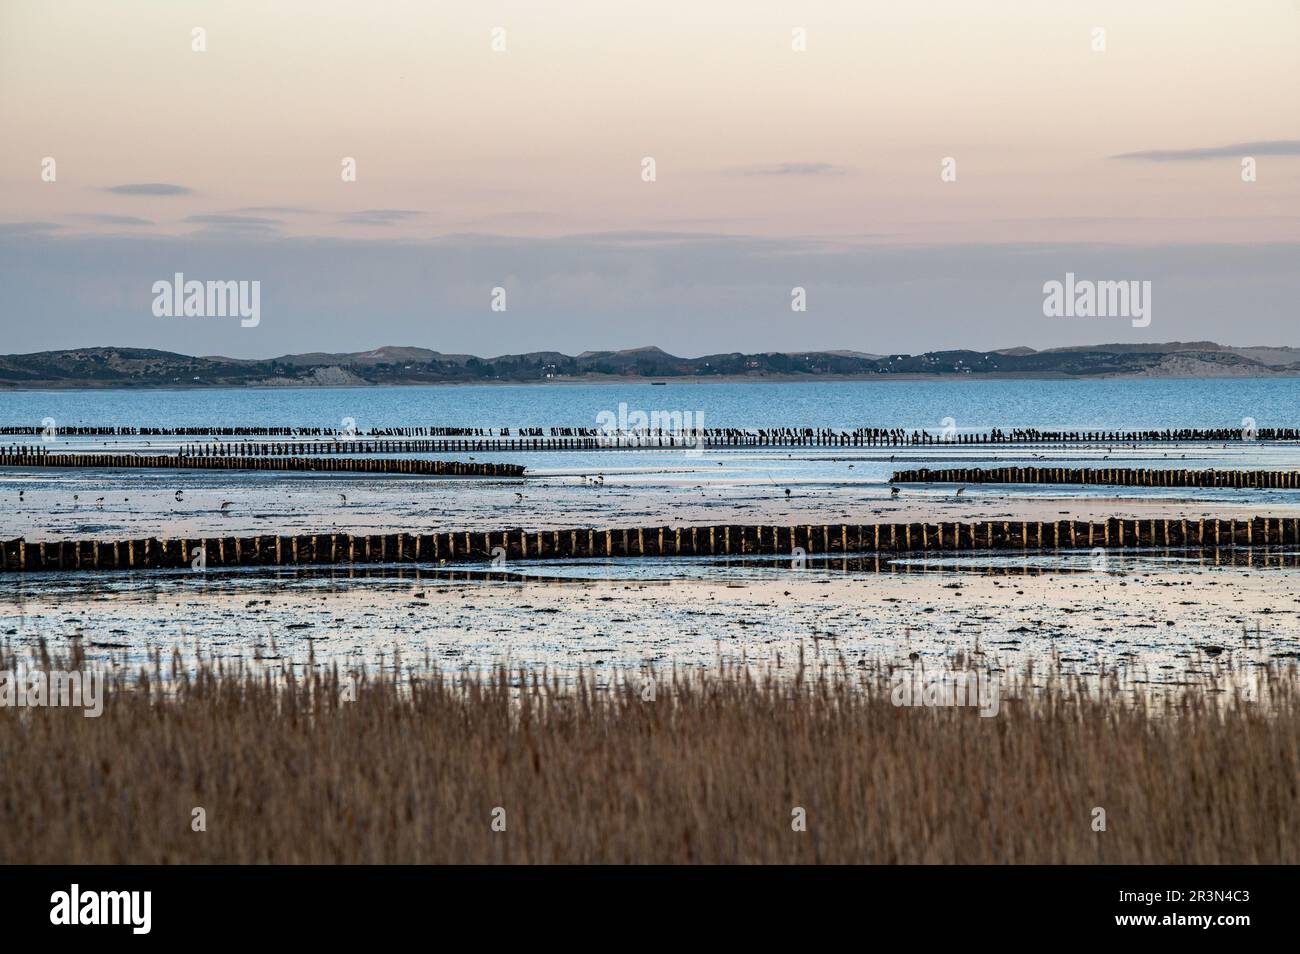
<point>110,367</point>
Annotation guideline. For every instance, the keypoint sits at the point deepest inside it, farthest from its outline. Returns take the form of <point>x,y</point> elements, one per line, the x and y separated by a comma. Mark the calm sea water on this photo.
<point>973,405</point>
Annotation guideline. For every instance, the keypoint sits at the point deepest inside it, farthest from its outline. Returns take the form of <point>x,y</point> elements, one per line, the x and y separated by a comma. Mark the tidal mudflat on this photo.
<point>1166,620</point>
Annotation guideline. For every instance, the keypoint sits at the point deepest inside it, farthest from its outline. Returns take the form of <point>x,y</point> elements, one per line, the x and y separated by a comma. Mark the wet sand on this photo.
<point>1164,623</point>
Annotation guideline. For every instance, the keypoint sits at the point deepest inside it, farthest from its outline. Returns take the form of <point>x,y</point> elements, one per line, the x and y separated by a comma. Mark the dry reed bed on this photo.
<point>710,770</point>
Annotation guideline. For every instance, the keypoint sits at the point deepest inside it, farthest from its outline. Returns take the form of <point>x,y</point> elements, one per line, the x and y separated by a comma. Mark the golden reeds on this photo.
<point>428,766</point>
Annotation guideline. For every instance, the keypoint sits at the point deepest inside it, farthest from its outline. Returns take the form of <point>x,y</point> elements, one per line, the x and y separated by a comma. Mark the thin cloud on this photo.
<point>1270,147</point>
<point>235,222</point>
<point>793,169</point>
<point>378,216</point>
<point>522,217</point>
<point>277,209</point>
<point>114,219</point>
<point>149,188</point>
<point>650,235</point>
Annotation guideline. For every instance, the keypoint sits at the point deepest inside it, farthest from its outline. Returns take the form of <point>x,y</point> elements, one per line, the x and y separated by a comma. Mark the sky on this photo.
<point>918,169</point>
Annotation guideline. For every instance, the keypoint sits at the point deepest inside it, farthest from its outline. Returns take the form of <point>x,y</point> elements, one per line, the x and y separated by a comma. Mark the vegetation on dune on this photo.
<point>139,367</point>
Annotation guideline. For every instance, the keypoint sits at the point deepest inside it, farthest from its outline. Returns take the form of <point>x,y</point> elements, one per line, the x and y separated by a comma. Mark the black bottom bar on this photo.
<point>1221,904</point>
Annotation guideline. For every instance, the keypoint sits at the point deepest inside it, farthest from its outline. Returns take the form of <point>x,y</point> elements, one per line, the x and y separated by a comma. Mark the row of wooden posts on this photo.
<point>590,439</point>
<point>373,465</point>
<point>452,445</point>
<point>595,438</point>
<point>1118,476</point>
<point>726,540</point>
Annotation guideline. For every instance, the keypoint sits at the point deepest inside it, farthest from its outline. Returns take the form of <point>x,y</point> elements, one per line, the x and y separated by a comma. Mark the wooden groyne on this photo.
<point>1114,476</point>
<point>39,457</point>
<point>319,440</point>
<point>491,547</point>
